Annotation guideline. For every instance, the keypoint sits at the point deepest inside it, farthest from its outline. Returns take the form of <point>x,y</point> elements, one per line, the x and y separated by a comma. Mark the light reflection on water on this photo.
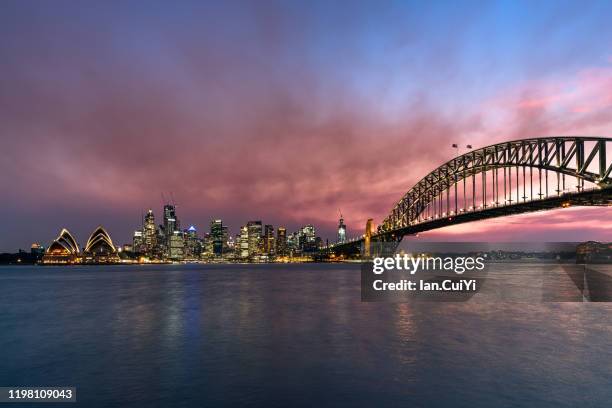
<point>293,335</point>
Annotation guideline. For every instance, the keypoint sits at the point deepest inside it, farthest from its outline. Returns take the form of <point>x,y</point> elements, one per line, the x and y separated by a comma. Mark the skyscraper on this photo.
<point>293,243</point>
<point>193,244</point>
<point>176,246</point>
<point>243,242</point>
<point>341,231</point>
<point>307,238</point>
<point>268,240</point>
<point>171,223</point>
<point>281,241</point>
<point>149,233</point>
<point>207,246</point>
<point>231,244</point>
<point>216,235</point>
<point>138,242</point>
<point>254,234</point>
<point>225,239</point>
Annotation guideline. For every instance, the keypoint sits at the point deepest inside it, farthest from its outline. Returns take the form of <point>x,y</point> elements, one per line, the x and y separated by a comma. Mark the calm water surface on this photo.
<point>290,335</point>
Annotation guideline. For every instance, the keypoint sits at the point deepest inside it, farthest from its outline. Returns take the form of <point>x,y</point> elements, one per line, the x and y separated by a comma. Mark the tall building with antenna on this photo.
<point>341,230</point>
<point>171,223</point>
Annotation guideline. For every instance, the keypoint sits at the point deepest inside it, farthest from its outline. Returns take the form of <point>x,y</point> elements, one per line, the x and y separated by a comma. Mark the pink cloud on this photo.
<point>107,151</point>
<point>579,104</point>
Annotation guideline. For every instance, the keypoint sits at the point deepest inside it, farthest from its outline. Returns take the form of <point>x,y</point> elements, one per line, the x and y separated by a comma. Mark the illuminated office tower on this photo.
<point>138,242</point>
<point>281,241</point>
<point>225,238</point>
<point>293,241</point>
<point>171,223</point>
<point>307,238</point>
<point>254,233</point>
<point>216,236</point>
<point>243,242</point>
<point>207,246</point>
<point>192,232</point>
<point>341,231</point>
<point>268,240</point>
<point>149,233</point>
<point>193,245</point>
<point>307,234</point>
<point>176,246</point>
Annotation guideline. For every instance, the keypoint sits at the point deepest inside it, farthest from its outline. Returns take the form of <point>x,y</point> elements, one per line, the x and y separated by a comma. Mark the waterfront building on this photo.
<point>307,238</point>
<point>37,250</point>
<point>594,252</point>
<point>193,244</point>
<point>170,224</point>
<point>138,242</point>
<point>63,250</point>
<point>176,246</point>
<point>293,243</point>
<point>268,240</point>
<point>243,242</point>
<point>281,241</point>
<point>207,247</point>
<point>149,233</point>
<point>225,236</point>
<point>254,238</point>
<point>216,235</point>
<point>318,243</point>
<point>100,248</point>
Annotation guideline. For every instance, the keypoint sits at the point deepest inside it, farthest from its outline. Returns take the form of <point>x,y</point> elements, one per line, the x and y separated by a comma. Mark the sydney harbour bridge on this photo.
<point>500,180</point>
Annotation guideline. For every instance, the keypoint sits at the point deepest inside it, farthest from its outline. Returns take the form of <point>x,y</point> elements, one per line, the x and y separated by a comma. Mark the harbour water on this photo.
<point>292,335</point>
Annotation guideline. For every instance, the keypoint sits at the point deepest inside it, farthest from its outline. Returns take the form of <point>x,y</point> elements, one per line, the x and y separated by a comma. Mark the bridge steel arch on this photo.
<point>583,158</point>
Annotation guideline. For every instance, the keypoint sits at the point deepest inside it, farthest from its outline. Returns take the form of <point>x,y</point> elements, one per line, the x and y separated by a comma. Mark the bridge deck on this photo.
<point>591,197</point>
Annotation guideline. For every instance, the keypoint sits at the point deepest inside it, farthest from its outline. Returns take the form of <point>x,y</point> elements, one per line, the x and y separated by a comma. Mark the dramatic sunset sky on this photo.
<point>282,111</point>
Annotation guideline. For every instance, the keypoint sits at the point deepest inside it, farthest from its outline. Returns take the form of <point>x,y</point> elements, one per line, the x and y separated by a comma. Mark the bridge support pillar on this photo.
<point>368,238</point>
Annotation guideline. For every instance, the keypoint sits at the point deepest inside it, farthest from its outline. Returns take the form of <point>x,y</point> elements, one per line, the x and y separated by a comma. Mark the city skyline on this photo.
<point>277,112</point>
<point>164,241</point>
<point>162,228</point>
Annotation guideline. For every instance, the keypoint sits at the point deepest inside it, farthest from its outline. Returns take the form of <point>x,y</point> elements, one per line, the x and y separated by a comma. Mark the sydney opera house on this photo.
<point>98,250</point>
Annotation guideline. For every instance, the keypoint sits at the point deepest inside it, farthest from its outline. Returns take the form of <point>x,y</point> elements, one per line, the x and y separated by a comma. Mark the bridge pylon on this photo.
<point>368,238</point>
